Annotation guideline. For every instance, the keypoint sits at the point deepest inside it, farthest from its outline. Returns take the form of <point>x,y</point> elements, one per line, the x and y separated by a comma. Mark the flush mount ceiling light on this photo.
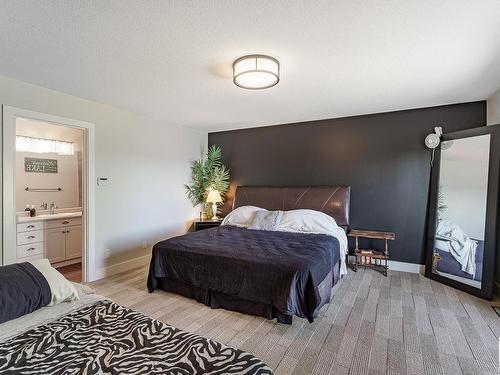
<point>256,72</point>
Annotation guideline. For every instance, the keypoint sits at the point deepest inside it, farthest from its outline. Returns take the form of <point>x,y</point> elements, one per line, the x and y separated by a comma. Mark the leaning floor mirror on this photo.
<point>462,226</point>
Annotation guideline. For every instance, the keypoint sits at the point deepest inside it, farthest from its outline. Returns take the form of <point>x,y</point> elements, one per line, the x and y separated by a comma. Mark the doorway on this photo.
<point>48,194</point>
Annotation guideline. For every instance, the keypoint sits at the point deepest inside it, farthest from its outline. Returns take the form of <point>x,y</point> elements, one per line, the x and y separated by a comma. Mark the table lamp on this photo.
<point>214,198</point>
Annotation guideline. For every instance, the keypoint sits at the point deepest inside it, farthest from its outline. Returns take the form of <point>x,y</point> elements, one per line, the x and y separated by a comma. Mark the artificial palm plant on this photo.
<point>207,173</point>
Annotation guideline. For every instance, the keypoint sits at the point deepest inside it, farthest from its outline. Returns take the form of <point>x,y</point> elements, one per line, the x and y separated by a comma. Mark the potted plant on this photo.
<point>206,174</point>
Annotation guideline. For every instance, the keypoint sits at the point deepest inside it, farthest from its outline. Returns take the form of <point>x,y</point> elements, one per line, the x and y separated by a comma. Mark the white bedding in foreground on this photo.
<point>48,313</point>
<point>299,221</point>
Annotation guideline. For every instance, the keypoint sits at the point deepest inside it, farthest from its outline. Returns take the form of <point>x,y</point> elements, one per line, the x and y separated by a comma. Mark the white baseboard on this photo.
<point>123,266</point>
<point>406,267</point>
<point>401,266</point>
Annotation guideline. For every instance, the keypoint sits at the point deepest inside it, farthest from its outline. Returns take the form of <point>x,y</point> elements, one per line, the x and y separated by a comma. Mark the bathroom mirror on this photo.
<point>48,166</point>
<point>463,211</point>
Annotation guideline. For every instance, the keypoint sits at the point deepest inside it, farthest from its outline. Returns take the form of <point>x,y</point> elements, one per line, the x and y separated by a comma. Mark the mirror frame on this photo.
<point>490,237</point>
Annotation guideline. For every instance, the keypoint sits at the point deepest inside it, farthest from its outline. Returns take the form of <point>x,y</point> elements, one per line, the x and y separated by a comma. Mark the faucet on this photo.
<point>53,206</point>
<point>44,205</point>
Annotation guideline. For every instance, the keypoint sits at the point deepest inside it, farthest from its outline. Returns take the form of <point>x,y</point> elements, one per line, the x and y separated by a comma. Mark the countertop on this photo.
<point>59,215</point>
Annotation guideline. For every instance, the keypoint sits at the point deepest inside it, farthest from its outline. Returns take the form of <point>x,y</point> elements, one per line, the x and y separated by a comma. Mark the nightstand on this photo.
<point>371,258</point>
<point>206,224</point>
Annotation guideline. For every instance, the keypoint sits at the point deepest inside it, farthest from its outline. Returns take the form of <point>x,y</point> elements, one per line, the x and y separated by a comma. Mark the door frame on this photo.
<point>8,139</point>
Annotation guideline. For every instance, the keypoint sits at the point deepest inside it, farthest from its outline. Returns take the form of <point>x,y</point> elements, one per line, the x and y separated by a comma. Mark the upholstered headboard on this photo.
<point>332,200</point>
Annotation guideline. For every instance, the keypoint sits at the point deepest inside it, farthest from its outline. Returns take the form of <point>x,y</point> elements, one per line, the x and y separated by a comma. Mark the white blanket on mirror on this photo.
<point>461,246</point>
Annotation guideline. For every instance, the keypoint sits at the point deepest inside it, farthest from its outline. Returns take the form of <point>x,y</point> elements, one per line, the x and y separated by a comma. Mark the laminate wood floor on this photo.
<point>400,324</point>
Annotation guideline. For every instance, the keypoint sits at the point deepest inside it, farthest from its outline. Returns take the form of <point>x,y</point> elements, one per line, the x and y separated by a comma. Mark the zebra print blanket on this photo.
<point>107,338</point>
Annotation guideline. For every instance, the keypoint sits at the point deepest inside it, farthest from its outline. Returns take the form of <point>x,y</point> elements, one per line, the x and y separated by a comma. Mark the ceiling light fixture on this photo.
<point>256,72</point>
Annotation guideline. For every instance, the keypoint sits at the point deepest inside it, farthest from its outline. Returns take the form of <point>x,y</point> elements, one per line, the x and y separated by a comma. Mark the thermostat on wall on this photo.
<point>103,181</point>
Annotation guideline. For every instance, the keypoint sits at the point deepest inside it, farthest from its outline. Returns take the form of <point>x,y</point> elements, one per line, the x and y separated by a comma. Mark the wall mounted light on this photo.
<point>40,145</point>
<point>256,72</point>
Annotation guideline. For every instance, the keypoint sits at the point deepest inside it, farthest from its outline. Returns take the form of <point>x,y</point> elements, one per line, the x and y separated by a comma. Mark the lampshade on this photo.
<point>256,72</point>
<point>214,196</point>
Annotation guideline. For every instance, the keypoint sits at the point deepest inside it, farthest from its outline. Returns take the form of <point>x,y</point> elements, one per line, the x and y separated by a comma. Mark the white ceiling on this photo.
<point>172,59</point>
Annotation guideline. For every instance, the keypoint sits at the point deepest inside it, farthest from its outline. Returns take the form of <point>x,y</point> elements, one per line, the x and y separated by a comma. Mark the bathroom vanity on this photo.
<point>57,237</point>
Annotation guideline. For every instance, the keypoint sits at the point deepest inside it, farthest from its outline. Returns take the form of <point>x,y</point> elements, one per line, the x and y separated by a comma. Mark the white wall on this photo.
<point>66,178</point>
<point>148,163</point>
<point>493,109</point>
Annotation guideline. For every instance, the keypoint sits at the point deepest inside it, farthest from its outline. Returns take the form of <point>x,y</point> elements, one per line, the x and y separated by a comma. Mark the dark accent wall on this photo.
<point>382,156</point>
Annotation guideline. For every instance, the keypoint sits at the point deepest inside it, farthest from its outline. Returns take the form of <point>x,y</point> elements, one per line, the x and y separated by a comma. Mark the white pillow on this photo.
<point>307,221</point>
<point>62,290</point>
<point>266,220</point>
<point>241,216</point>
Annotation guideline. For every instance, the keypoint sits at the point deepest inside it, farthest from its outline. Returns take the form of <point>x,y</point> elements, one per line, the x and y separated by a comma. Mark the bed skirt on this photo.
<point>217,300</point>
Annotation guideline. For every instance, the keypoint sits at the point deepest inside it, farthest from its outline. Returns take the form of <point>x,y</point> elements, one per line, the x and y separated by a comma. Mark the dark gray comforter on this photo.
<point>275,268</point>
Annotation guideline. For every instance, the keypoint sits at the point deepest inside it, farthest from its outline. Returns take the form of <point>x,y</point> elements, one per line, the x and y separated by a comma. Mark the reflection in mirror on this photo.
<point>462,196</point>
<point>48,157</point>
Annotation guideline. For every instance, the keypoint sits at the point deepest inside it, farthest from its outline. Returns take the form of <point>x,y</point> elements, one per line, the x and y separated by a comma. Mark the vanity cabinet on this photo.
<point>55,245</point>
<point>63,239</point>
<point>74,242</point>
<point>58,239</point>
<point>63,223</point>
<point>30,238</point>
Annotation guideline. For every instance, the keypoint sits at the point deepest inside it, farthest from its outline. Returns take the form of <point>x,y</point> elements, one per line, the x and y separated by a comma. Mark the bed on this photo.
<point>447,264</point>
<point>456,255</point>
<point>268,273</point>
<point>90,334</point>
